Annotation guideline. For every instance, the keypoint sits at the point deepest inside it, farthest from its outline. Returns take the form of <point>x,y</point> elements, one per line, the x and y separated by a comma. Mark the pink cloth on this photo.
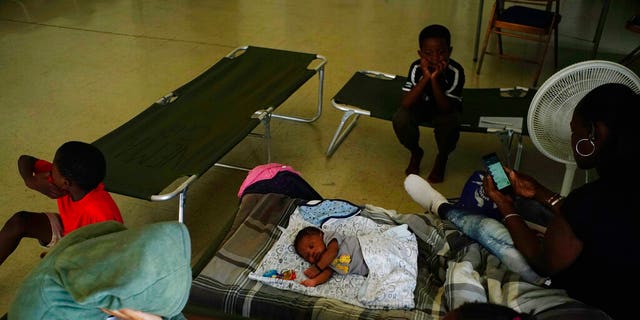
<point>263,172</point>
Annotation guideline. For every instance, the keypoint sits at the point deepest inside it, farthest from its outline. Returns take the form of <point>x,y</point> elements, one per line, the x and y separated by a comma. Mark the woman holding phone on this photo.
<point>592,234</point>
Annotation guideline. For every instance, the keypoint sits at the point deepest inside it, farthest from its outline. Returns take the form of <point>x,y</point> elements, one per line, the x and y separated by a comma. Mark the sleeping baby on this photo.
<point>328,253</point>
<point>356,259</point>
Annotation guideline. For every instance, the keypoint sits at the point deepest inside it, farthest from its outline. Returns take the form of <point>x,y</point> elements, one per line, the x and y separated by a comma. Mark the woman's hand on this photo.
<point>523,185</point>
<point>128,314</point>
<point>503,201</point>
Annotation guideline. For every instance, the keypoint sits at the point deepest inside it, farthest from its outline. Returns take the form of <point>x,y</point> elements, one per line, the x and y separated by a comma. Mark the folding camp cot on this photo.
<point>488,110</point>
<point>189,130</point>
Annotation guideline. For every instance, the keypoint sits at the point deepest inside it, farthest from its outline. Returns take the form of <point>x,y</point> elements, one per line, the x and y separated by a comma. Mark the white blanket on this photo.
<point>391,253</point>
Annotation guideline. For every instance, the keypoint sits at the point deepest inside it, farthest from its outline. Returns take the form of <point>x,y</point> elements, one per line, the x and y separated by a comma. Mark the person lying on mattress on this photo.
<point>328,253</point>
<point>588,247</point>
<point>75,180</point>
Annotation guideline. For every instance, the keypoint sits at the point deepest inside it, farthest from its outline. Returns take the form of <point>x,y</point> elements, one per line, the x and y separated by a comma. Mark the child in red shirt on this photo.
<point>75,180</point>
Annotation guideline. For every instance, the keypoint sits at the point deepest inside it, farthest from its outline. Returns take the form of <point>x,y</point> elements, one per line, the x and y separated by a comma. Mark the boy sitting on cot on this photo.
<point>328,253</point>
<point>433,93</point>
<point>75,180</point>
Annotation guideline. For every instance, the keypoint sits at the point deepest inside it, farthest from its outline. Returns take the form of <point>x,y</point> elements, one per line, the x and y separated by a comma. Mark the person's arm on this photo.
<point>320,271</point>
<point>559,247</point>
<point>329,254</point>
<point>38,182</point>
<point>26,169</point>
<point>321,278</point>
<point>411,97</point>
<point>528,187</point>
<point>524,239</point>
<point>128,314</point>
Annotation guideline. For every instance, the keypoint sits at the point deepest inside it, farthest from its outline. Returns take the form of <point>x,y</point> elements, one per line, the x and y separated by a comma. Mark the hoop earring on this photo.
<point>593,147</point>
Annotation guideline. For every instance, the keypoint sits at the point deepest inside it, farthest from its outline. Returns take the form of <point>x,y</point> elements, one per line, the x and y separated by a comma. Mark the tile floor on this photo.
<point>75,70</point>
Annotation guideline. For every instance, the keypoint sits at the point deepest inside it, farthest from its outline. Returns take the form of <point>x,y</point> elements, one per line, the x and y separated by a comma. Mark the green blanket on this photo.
<point>105,265</point>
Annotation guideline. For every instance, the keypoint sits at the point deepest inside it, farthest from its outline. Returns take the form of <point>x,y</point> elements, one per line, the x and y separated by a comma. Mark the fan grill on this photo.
<point>552,107</point>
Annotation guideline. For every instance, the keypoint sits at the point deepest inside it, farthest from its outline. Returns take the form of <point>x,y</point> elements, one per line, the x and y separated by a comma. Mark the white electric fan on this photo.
<point>552,107</point>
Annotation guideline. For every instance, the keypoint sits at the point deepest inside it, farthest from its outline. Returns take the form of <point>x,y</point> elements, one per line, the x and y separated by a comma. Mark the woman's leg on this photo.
<point>493,236</point>
<point>489,232</point>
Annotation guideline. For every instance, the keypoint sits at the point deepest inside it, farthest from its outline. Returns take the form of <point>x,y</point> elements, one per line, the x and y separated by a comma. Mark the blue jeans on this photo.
<point>493,236</point>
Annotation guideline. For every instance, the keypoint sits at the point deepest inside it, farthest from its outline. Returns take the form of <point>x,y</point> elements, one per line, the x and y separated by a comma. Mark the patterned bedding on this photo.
<point>452,269</point>
<point>390,252</point>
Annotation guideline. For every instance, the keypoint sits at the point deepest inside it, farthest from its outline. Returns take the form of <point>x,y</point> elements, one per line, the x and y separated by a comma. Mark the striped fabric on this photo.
<point>452,269</point>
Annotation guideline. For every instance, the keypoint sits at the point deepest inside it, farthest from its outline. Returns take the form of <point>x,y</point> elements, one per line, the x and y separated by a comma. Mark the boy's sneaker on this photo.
<point>414,163</point>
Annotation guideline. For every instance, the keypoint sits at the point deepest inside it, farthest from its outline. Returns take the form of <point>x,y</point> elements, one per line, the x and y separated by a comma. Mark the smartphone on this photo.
<point>494,167</point>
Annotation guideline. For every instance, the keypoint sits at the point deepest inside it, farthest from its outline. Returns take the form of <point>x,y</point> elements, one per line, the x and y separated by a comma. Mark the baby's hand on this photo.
<point>312,272</point>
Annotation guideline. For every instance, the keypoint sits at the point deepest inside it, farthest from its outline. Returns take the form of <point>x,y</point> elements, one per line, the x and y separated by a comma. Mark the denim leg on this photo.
<point>492,235</point>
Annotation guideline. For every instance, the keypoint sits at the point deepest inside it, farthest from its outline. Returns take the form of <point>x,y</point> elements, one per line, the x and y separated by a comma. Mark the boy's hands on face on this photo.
<point>432,68</point>
<point>425,66</point>
<point>438,68</point>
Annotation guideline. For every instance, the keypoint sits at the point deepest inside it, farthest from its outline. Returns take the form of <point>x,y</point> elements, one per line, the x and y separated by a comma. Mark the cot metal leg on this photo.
<point>266,121</point>
<point>341,131</point>
<point>229,166</point>
<point>506,139</point>
<point>516,164</point>
<point>265,118</point>
<point>182,201</point>
<point>319,110</point>
<point>181,190</point>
